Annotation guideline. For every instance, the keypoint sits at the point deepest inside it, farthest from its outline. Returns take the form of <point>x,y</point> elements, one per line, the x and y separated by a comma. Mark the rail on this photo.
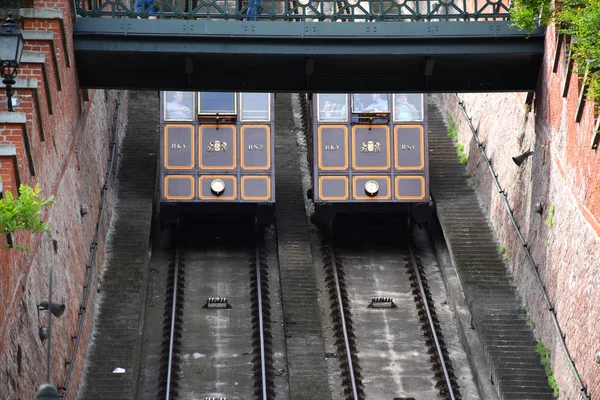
<point>94,246</point>
<point>550,307</point>
<point>263,366</point>
<point>343,320</point>
<point>438,347</point>
<point>173,319</point>
<point>301,10</point>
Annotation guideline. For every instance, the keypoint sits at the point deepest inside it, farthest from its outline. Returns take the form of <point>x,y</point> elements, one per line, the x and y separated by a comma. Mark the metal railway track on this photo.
<point>446,382</point>
<point>171,376</point>
<point>169,388</point>
<point>172,324</point>
<point>340,304</point>
<point>262,328</point>
<point>352,382</point>
<point>343,323</point>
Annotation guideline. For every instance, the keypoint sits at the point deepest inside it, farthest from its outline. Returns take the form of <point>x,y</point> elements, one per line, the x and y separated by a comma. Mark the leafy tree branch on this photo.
<point>578,18</point>
<point>23,213</point>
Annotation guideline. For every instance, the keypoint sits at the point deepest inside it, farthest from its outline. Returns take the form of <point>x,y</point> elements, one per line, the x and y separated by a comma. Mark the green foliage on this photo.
<point>549,220</point>
<point>22,213</point>
<point>452,132</point>
<point>531,322</point>
<point>460,148</point>
<point>464,160</point>
<point>544,353</point>
<point>581,20</point>
<point>502,249</point>
<point>578,18</point>
<point>528,14</point>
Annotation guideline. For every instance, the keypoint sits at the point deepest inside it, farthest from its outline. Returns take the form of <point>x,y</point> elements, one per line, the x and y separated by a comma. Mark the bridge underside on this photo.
<point>306,57</point>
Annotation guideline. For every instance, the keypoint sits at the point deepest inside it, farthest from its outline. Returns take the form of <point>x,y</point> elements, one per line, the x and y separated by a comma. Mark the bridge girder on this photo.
<point>306,56</point>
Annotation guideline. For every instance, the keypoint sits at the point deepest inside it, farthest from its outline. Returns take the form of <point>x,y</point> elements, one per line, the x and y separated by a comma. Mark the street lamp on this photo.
<point>11,49</point>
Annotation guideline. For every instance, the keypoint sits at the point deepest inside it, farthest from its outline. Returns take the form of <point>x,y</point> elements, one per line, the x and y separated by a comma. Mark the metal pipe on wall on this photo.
<point>549,306</point>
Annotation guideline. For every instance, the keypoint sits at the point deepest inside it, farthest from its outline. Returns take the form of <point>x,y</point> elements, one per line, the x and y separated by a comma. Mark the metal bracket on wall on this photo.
<point>9,238</point>
<point>582,95</point>
<point>558,50</point>
<point>596,137</point>
<point>568,73</point>
<point>529,100</point>
<point>10,150</point>
<point>534,268</point>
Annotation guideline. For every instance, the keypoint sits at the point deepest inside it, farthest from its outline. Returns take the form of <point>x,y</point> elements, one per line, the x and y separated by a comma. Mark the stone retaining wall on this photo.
<point>565,242</point>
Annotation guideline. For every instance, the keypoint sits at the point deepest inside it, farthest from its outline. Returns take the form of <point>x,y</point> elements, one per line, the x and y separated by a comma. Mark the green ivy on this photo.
<point>452,132</point>
<point>460,149</point>
<point>550,219</point>
<point>544,353</point>
<point>528,14</point>
<point>581,20</point>
<point>23,213</point>
<point>578,18</point>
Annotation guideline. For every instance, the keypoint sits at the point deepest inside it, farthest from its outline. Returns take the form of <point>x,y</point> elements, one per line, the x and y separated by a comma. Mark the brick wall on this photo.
<point>63,144</point>
<point>8,171</point>
<point>563,174</point>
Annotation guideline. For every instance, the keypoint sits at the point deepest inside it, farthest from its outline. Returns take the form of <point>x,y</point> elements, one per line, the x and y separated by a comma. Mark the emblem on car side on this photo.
<point>370,147</point>
<point>217,146</point>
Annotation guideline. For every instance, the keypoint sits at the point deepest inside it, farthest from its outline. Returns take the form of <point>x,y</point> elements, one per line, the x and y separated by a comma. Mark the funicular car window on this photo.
<point>178,106</point>
<point>370,103</point>
<point>333,107</point>
<point>255,106</point>
<point>408,107</point>
<point>216,103</point>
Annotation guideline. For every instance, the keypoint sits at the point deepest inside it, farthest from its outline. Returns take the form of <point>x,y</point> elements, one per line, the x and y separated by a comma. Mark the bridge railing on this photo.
<point>301,10</point>
<point>10,4</point>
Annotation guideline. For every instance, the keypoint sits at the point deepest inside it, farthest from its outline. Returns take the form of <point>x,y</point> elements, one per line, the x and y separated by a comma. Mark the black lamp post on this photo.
<point>11,49</point>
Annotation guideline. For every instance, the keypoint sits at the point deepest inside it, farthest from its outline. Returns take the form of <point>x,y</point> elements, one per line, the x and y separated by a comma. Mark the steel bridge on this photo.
<point>305,45</point>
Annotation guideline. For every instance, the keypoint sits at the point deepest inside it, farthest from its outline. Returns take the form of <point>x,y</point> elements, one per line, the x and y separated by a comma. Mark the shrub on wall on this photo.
<point>578,18</point>
<point>23,213</point>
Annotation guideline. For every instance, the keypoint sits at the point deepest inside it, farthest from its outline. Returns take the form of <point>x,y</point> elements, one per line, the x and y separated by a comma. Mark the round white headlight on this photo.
<point>371,188</point>
<point>217,187</point>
